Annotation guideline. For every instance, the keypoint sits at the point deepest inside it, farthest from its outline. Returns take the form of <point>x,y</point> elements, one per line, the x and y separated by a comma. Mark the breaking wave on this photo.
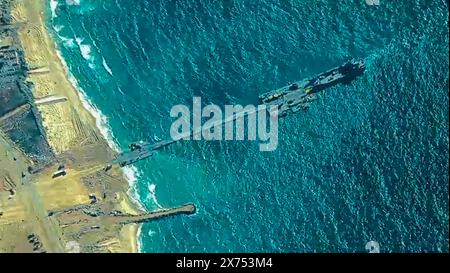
<point>131,174</point>
<point>152,192</point>
<point>73,2</point>
<point>53,7</point>
<point>106,66</point>
<point>85,50</point>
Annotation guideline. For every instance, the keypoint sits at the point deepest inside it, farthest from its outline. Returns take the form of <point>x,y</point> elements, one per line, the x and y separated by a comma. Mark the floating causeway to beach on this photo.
<point>289,99</point>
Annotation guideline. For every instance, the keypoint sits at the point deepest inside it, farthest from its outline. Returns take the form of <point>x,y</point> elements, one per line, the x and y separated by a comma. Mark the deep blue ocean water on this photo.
<point>368,161</point>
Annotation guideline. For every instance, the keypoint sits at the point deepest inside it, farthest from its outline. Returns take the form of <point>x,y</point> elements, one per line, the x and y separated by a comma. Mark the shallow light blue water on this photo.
<point>366,162</point>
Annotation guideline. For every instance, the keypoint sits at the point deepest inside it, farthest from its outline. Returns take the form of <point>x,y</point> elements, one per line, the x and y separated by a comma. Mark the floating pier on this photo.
<point>289,99</point>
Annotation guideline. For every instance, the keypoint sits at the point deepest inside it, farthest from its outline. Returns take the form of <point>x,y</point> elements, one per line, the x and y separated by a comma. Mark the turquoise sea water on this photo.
<point>368,161</point>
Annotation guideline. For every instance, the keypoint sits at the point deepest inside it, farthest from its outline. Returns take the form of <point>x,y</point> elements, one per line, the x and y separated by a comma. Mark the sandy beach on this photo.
<point>78,144</point>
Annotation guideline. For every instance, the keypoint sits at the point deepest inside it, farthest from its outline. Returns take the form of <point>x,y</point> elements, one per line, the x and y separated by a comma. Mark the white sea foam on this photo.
<point>131,174</point>
<point>73,2</point>
<point>120,90</point>
<point>101,121</point>
<point>68,42</point>
<point>53,7</point>
<point>58,28</point>
<point>139,239</point>
<point>152,191</point>
<point>85,50</point>
<point>106,66</point>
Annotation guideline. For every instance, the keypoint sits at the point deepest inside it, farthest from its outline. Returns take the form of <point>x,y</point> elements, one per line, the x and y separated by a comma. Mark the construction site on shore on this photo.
<point>54,193</point>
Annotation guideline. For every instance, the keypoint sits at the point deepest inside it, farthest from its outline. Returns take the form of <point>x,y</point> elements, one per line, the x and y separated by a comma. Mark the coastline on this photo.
<point>65,124</point>
<point>101,124</point>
